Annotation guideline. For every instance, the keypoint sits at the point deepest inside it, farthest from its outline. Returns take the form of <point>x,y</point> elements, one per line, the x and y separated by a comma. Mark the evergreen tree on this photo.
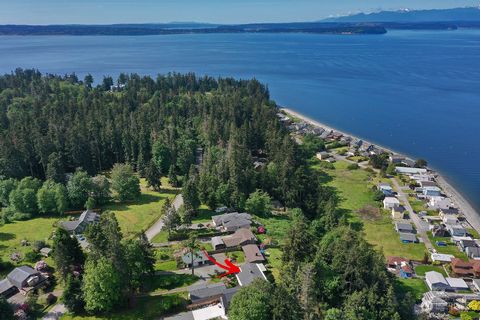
<point>125,183</point>
<point>72,295</point>
<point>55,168</point>
<point>153,176</point>
<point>67,253</point>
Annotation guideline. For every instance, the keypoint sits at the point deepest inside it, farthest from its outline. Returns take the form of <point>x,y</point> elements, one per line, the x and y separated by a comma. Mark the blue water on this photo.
<point>413,91</point>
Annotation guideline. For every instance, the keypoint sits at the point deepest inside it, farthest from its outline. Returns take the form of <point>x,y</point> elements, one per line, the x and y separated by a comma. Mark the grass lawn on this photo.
<point>12,234</point>
<point>238,256</point>
<point>451,248</point>
<point>148,308</point>
<point>138,215</point>
<point>276,227</point>
<point>161,237</point>
<point>274,258</point>
<point>415,286</point>
<point>160,283</point>
<point>169,265</point>
<point>421,270</point>
<point>204,215</point>
<point>355,190</point>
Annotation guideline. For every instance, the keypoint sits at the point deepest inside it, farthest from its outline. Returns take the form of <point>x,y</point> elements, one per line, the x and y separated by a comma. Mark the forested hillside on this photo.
<point>50,126</point>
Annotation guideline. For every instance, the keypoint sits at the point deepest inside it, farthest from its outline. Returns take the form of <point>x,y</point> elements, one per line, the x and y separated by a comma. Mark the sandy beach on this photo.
<point>462,204</point>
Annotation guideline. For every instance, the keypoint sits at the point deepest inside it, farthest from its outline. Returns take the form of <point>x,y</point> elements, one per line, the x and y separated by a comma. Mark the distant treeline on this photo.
<point>162,29</point>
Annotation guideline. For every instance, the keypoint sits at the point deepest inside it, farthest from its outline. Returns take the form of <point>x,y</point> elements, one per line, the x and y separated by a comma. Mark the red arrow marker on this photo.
<point>230,267</point>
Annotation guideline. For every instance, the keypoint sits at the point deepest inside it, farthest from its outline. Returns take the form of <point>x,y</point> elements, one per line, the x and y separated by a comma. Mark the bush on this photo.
<point>327,165</point>
<point>38,245</point>
<point>353,166</point>
<point>20,216</point>
<point>378,195</point>
<point>31,256</point>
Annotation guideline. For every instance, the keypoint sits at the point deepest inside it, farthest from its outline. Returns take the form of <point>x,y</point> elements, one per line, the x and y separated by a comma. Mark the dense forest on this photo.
<point>208,133</point>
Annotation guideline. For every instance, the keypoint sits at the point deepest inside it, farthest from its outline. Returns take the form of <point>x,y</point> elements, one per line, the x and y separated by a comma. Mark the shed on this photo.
<point>45,251</point>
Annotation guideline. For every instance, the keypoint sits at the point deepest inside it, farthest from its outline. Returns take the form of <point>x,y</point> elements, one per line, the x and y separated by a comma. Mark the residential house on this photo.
<point>23,279</point>
<point>398,213</point>
<point>410,171</point>
<point>456,230</point>
<point>401,266</point>
<point>457,284</point>
<point>439,230</point>
<point>408,162</point>
<point>323,155</point>
<point>402,227</point>
<point>252,254</point>
<point>432,192</point>
<point>199,258</point>
<point>473,252</point>
<point>249,272</point>
<point>436,281</point>
<point>79,226</point>
<point>209,301</point>
<point>408,238</point>
<point>448,211</point>
<point>476,284</point>
<point>432,303</point>
<point>217,243</point>
<point>206,291</point>
<point>396,159</point>
<point>451,219</point>
<point>464,244</point>
<point>462,268</point>
<point>439,202</point>
<point>441,257</point>
<point>386,189</point>
<point>390,202</point>
<point>241,237</point>
<point>232,221</point>
<point>427,183</point>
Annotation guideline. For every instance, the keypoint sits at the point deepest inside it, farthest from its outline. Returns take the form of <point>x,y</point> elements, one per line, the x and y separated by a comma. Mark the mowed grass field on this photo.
<point>138,215</point>
<point>354,188</point>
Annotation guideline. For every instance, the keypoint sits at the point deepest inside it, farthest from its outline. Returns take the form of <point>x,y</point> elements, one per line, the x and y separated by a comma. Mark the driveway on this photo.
<point>158,226</point>
<point>56,312</point>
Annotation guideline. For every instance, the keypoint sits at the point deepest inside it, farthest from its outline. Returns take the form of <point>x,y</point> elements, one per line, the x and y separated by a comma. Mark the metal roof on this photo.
<point>249,272</point>
<point>20,274</point>
<point>435,277</point>
<point>206,290</point>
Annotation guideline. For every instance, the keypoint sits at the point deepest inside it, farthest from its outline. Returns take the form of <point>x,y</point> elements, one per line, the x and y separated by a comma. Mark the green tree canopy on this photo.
<point>124,182</point>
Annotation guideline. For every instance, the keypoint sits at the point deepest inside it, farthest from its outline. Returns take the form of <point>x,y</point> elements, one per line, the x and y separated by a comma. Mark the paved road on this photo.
<point>157,226</point>
<point>421,231</point>
<point>56,312</point>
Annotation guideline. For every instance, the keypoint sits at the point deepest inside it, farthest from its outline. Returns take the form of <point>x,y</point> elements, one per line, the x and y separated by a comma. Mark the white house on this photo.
<point>199,258</point>
<point>439,202</point>
<point>390,202</point>
<point>322,155</point>
<point>410,171</point>
<point>457,284</point>
<point>436,281</point>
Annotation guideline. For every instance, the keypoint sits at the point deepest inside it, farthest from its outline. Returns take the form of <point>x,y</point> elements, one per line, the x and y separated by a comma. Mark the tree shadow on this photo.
<point>324,177</point>
<point>4,236</point>
<point>142,200</point>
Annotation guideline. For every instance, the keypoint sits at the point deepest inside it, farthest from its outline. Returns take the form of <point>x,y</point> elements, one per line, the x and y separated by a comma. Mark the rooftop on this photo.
<point>250,272</point>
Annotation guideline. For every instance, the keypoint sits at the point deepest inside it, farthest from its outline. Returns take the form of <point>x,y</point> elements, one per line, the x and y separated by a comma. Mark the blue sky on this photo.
<point>220,11</point>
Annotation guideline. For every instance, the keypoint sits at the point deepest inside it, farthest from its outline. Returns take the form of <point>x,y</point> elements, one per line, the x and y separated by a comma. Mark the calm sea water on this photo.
<point>415,92</point>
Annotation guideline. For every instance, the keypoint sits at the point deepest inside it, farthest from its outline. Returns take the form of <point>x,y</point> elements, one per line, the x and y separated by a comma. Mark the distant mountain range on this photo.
<point>469,14</point>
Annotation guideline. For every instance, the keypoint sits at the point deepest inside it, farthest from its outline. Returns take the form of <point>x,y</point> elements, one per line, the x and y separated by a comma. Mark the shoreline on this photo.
<point>471,215</point>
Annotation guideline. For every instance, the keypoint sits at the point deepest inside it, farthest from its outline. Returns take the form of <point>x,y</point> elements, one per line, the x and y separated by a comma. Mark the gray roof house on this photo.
<point>206,291</point>
<point>78,226</point>
<point>232,221</point>
<point>456,230</point>
<point>240,237</point>
<point>249,272</point>
<point>199,258</point>
<point>403,227</point>
<point>407,237</point>
<point>473,252</point>
<point>436,281</point>
<point>217,243</point>
<point>20,278</point>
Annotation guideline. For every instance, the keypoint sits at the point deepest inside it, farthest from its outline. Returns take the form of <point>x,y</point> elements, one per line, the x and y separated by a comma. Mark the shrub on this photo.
<point>327,165</point>
<point>38,245</point>
<point>31,256</point>
<point>353,166</point>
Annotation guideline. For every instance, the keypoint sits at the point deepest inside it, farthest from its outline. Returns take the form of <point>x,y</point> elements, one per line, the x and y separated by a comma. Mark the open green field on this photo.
<point>417,287</point>
<point>274,258</point>
<point>355,190</point>
<point>148,308</point>
<point>11,234</point>
<point>163,282</point>
<point>138,215</point>
<point>421,270</point>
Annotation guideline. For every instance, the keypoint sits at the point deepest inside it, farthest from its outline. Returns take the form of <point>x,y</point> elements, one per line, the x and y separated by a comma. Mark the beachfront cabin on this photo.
<point>432,192</point>
<point>439,202</point>
<point>408,163</point>
<point>456,230</point>
<point>436,281</point>
<point>473,252</point>
<point>390,202</point>
<point>396,159</point>
<point>464,244</point>
<point>410,171</point>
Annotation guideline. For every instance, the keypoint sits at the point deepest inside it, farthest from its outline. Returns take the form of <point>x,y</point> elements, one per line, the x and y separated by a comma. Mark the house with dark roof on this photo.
<point>249,272</point>
<point>21,279</point>
<point>240,237</point>
<point>404,227</point>
<point>408,237</point>
<point>206,291</point>
<point>217,243</point>
<point>80,225</point>
<point>232,221</point>
<point>253,254</point>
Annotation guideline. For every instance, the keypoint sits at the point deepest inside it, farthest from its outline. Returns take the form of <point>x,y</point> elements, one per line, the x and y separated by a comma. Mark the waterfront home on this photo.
<point>464,244</point>
<point>241,237</point>
<point>408,237</point>
<point>398,213</point>
<point>252,254</point>
<point>199,258</point>
<point>436,281</point>
<point>249,272</point>
<point>439,202</point>
<point>462,268</point>
<point>432,192</point>
<point>449,211</point>
<point>427,183</point>
<point>404,227</point>
<point>390,202</point>
<point>396,159</point>
<point>232,221</point>
<point>457,284</point>
<point>473,252</point>
<point>408,162</point>
<point>323,155</point>
<point>456,230</point>
<point>410,171</point>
